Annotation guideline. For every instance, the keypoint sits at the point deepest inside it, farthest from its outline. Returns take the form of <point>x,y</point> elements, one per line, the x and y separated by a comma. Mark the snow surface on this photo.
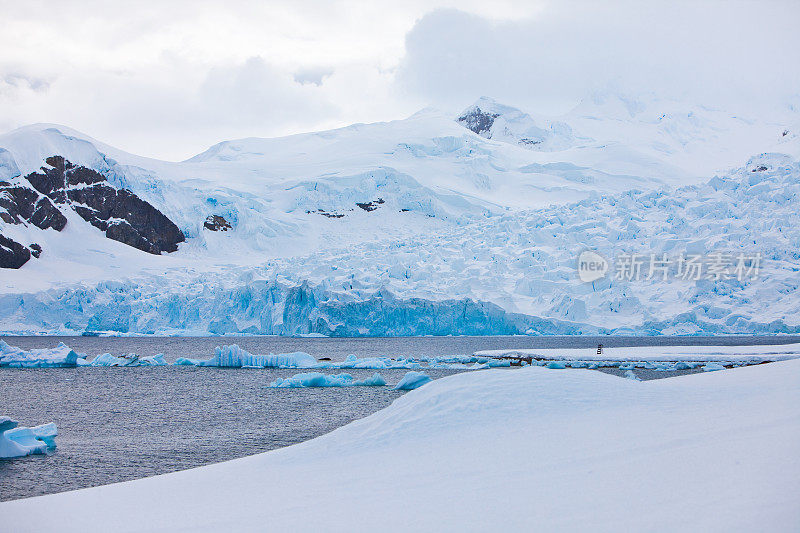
<point>458,233</point>
<point>522,450</point>
<point>21,441</point>
<point>745,354</point>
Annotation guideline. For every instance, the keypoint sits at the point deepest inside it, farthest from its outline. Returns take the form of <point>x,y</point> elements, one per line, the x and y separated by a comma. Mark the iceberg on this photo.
<point>185,361</point>
<point>233,356</point>
<point>107,359</point>
<point>317,379</point>
<point>412,380</point>
<point>60,356</point>
<point>21,441</point>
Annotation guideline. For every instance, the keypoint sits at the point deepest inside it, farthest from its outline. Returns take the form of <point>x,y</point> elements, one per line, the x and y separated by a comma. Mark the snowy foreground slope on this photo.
<point>518,450</point>
<point>428,225</point>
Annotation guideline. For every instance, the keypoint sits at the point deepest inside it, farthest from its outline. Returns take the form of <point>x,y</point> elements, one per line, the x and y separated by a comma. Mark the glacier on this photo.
<point>424,226</point>
<point>505,275</point>
<point>21,441</point>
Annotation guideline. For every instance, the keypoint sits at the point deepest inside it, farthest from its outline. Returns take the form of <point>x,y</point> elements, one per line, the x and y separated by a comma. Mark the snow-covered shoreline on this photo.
<point>742,354</point>
<point>513,450</point>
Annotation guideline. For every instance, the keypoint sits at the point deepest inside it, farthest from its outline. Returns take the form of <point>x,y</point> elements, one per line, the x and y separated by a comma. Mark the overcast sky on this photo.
<point>169,78</point>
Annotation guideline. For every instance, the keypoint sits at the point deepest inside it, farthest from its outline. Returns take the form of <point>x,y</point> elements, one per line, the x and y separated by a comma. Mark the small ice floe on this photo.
<point>630,375</point>
<point>711,367</point>
<point>60,356</point>
<point>412,380</point>
<point>107,359</point>
<point>556,365</point>
<point>318,379</point>
<point>21,441</point>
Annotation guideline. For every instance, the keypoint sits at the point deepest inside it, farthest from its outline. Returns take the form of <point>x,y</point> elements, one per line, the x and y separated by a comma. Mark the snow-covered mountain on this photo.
<point>431,224</point>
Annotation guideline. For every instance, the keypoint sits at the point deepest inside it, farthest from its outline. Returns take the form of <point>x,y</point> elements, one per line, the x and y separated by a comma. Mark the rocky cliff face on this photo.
<point>39,199</point>
<point>20,204</point>
<point>122,215</point>
<point>23,205</point>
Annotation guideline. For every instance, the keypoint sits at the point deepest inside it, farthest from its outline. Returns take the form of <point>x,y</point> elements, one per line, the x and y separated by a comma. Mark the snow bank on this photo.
<point>654,357</point>
<point>412,380</point>
<point>60,356</point>
<point>21,441</point>
<point>470,452</point>
<point>317,379</point>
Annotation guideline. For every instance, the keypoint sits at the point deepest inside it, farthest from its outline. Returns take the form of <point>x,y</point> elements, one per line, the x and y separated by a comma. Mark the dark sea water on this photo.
<point>117,424</point>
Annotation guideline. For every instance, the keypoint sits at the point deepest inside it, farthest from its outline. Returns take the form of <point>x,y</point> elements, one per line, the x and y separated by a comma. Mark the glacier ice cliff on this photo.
<point>503,275</point>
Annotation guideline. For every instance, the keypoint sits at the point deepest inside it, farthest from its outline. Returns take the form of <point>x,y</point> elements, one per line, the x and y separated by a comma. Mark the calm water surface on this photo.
<point>117,424</point>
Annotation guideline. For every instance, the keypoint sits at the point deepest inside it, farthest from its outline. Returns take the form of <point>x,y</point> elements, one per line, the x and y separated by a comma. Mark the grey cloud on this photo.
<point>731,52</point>
<point>312,75</point>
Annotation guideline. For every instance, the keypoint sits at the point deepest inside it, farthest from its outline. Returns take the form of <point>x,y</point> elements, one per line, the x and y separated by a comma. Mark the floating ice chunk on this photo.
<point>235,357</point>
<point>318,379</point>
<point>21,441</point>
<point>185,361</point>
<point>556,365</point>
<point>153,360</point>
<point>376,380</point>
<point>630,375</point>
<point>711,367</point>
<point>107,359</point>
<point>60,356</point>
<point>412,380</point>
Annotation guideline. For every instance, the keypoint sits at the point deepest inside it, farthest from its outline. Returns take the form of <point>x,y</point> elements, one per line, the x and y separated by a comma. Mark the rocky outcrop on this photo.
<point>12,253</point>
<point>216,223</point>
<point>20,204</point>
<point>370,206</point>
<point>476,120</point>
<point>122,215</point>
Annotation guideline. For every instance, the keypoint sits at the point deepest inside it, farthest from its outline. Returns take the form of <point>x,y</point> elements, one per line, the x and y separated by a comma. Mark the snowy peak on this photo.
<point>493,120</point>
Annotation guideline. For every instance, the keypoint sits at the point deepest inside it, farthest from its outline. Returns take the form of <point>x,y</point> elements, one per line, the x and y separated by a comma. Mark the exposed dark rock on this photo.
<point>216,223</point>
<point>370,206</point>
<point>326,214</point>
<point>122,215</point>
<point>476,120</point>
<point>760,168</point>
<point>12,253</point>
<point>19,204</point>
<point>36,250</point>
